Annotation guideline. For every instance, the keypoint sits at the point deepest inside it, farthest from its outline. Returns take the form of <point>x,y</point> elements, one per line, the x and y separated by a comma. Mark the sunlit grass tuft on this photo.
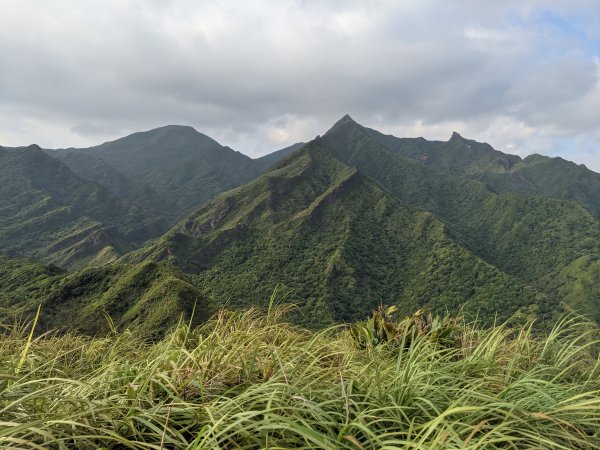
<point>246,380</point>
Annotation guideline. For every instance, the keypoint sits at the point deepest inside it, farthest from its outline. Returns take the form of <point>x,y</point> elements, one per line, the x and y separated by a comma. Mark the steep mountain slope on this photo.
<point>264,162</point>
<point>410,181</point>
<point>527,237</point>
<point>553,177</point>
<point>534,175</point>
<point>24,283</point>
<point>457,156</point>
<point>338,243</point>
<point>183,166</point>
<point>349,220</point>
<point>93,169</point>
<point>578,285</point>
<point>150,296</point>
<point>172,169</point>
<point>49,213</point>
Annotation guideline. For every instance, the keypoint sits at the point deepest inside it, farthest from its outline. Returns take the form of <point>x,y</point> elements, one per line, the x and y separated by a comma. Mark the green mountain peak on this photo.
<point>335,240</point>
<point>349,220</point>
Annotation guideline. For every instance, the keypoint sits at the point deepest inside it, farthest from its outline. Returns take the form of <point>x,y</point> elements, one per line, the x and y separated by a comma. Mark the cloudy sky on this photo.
<point>259,75</point>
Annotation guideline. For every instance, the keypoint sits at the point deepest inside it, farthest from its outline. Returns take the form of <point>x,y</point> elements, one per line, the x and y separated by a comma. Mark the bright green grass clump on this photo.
<point>252,381</point>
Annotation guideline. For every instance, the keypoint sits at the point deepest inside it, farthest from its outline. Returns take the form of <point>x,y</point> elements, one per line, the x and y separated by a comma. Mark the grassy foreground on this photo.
<point>245,380</point>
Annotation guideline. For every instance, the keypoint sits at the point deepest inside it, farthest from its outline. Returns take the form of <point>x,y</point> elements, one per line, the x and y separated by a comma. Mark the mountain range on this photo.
<point>174,166</point>
<point>161,223</point>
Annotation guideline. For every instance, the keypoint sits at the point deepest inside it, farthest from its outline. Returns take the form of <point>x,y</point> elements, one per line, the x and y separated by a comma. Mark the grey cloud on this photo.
<point>93,129</point>
<point>83,72</point>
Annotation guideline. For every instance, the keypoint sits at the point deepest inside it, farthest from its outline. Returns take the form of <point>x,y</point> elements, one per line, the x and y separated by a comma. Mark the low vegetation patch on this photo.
<point>247,380</point>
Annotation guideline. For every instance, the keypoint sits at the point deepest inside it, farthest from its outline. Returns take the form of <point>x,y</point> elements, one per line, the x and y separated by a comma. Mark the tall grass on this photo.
<point>244,380</point>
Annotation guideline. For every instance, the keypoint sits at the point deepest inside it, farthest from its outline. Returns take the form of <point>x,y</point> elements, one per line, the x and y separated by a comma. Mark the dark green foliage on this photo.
<point>172,169</point>
<point>338,244</point>
<point>384,328</point>
<point>150,296</point>
<point>91,168</point>
<point>534,175</point>
<point>24,282</point>
<point>578,285</point>
<point>353,219</point>
<point>552,177</point>
<point>530,238</point>
<point>457,156</point>
<point>49,213</point>
<point>184,167</point>
<point>134,188</point>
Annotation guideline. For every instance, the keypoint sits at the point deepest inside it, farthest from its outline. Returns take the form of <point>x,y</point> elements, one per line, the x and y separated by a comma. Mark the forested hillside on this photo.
<point>180,166</point>
<point>339,245</point>
<point>49,213</point>
<point>348,221</point>
<point>501,172</point>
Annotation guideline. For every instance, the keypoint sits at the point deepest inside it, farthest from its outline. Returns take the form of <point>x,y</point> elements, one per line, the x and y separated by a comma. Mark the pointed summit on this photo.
<point>455,136</point>
<point>347,119</point>
<point>325,231</point>
<point>345,125</point>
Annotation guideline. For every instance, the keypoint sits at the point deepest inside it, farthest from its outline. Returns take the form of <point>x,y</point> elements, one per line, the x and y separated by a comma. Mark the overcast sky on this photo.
<point>260,75</point>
